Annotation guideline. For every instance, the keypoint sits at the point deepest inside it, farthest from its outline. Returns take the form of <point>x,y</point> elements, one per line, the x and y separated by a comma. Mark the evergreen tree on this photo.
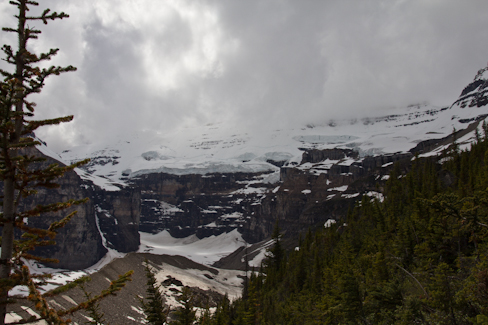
<point>94,311</point>
<point>222,315</point>
<point>21,171</point>
<point>276,252</point>
<point>206,317</point>
<point>185,315</point>
<point>154,306</point>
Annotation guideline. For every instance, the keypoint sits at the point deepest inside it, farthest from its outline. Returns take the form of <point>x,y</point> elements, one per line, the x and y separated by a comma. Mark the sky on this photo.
<point>160,66</point>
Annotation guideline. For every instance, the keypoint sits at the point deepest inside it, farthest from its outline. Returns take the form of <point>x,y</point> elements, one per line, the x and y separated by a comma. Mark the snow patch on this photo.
<point>225,282</point>
<point>339,188</point>
<point>204,251</point>
<point>101,182</point>
<point>329,223</point>
<point>376,195</point>
<point>153,155</point>
<point>349,196</point>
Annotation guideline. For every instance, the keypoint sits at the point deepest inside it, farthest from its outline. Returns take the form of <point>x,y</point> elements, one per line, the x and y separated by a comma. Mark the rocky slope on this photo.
<point>208,285</point>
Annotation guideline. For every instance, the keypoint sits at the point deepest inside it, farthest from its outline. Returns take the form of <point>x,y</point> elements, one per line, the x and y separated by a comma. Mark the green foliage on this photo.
<point>222,314</point>
<point>94,311</point>
<point>153,306</point>
<point>184,315</point>
<point>419,257</point>
<point>276,252</point>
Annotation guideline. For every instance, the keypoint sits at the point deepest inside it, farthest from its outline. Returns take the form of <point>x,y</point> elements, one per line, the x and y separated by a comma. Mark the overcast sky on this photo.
<point>160,64</point>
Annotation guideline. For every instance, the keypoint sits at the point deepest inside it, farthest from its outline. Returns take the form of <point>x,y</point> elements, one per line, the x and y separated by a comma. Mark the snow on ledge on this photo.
<point>329,223</point>
<point>209,169</point>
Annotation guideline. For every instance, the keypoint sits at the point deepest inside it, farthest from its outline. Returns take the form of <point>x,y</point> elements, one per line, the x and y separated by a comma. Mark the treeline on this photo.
<point>418,257</point>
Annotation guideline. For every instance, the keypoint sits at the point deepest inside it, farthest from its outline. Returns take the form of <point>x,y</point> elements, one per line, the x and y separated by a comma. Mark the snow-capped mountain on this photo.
<point>220,148</point>
<point>213,179</point>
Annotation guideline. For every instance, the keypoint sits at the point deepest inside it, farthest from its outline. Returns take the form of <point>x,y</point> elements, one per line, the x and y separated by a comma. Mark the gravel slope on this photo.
<point>124,308</point>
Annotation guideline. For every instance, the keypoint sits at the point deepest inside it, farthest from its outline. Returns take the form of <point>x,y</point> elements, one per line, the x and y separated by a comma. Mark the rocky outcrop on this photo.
<point>204,205</point>
<point>316,155</point>
<point>375,162</point>
<point>476,93</point>
<point>306,200</point>
<point>118,214</point>
<point>78,244</point>
<point>432,144</point>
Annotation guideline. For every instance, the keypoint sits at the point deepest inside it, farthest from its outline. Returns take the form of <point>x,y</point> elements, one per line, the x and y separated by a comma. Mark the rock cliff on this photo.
<point>301,196</point>
<point>118,215</point>
<point>78,244</point>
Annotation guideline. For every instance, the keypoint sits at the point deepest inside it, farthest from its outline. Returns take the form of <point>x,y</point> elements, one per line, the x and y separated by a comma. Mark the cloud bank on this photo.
<point>157,65</point>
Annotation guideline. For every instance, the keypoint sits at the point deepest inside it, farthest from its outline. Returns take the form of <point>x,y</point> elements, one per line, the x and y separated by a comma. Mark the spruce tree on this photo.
<point>153,306</point>
<point>21,171</point>
<point>94,311</point>
<point>222,315</point>
<point>276,252</point>
<point>184,315</point>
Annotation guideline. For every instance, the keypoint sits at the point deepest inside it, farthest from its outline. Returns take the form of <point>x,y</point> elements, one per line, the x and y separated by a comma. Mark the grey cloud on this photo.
<point>278,62</point>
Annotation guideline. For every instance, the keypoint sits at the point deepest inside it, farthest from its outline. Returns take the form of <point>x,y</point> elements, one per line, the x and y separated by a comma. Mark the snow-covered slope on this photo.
<point>226,148</point>
<point>204,251</point>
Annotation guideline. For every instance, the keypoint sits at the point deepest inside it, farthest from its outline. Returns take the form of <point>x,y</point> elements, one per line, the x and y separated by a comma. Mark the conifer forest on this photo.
<point>418,257</point>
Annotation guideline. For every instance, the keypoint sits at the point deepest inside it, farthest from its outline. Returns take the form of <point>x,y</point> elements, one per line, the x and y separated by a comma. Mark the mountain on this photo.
<point>207,192</point>
<point>213,179</point>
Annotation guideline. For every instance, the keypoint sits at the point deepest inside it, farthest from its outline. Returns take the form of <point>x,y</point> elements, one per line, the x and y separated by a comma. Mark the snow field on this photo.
<point>226,149</point>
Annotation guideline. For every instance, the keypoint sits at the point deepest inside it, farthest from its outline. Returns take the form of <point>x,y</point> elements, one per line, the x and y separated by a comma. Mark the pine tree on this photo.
<point>185,315</point>
<point>206,317</point>
<point>154,306</point>
<point>276,252</point>
<point>222,314</point>
<point>94,311</point>
<point>21,171</point>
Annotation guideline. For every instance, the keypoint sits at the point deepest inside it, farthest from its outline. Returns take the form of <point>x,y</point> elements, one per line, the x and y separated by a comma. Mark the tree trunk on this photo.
<point>7,242</point>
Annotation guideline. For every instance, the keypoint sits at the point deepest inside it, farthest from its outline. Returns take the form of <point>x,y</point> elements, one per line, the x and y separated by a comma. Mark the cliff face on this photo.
<point>476,93</point>
<point>300,197</point>
<point>307,198</point>
<point>118,214</point>
<point>323,186</point>
<point>204,205</point>
<point>78,244</point>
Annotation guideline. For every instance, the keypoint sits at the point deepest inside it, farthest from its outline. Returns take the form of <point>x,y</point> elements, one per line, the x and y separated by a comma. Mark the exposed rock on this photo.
<point>316,156</point>
<point>208,205</point>
<point>371,163</point>
<point>78,244</point>
<point>171,281</point>
<point>205,298</point>
<point>429,145</point>
<point>204,205</point>
<point>118,213</point>
<point>476,93</point>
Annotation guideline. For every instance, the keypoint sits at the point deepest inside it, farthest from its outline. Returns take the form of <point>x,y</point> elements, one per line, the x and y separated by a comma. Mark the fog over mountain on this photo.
<point>162,65</point>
